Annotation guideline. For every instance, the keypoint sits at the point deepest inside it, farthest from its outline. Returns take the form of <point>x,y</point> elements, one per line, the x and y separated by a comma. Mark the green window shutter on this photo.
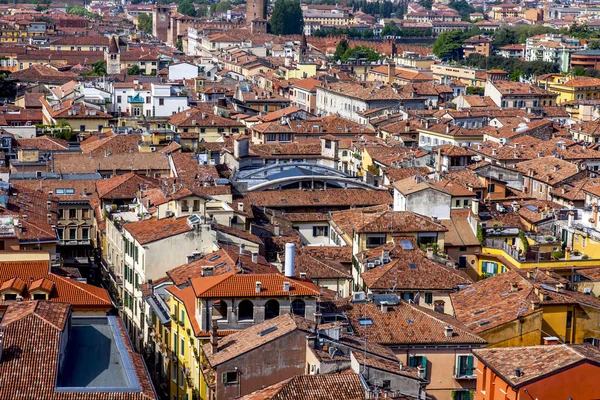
<point>469,365</point>
<point>412,362</point>
<point>424,365</point>
<point>137,280</point>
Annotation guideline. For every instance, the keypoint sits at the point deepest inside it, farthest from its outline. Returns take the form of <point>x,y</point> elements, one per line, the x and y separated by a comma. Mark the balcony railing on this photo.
<point>82,242</point>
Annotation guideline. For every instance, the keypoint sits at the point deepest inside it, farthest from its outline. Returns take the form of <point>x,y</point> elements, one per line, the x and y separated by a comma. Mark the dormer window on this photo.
<point>40,296</point>
<point>10,297</point>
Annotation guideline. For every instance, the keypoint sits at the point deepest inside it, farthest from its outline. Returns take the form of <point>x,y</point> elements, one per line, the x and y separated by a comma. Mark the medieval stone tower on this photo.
<point>160,22</point>
<point>256,15</point>
<point>112,57</point>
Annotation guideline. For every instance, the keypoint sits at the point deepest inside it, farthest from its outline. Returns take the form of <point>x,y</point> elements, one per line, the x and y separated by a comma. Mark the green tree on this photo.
<point>595,45</point>
<point>504,37</point>
<point>448,45</point>
<point>98,68</point>
<point>462,7</point>
<point>223,6</point>
<point>81,11</point>
<point>145,23</point>
<point>8,88</point>
<point>286,18</point>
<point>134,70</point>
<point>361,52</point>
<point>202,11</point>
<point>42,5</point>
<point>187,8</point>
<point>341,49</point>
<point>426,4</point>
<point>390,29</point>
<point>179,44</point>
<point>579,71</point>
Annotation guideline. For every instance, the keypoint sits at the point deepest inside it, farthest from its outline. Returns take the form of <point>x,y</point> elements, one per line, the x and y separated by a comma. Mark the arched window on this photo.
<point>299,307</point>
<point>271,309</point>
<point>220,309</point>
<point>245,310</point>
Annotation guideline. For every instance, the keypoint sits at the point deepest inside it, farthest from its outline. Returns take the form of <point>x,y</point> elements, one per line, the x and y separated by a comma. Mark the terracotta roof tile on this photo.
<point>244,285</point>
<point>151,230</point>
<point>409,269</point>
<point>62,290</point>
<point>407,324</point>
<point>313,387</point>
<point>536,362</point>
<point>316,198</point>
<point>249,339</point>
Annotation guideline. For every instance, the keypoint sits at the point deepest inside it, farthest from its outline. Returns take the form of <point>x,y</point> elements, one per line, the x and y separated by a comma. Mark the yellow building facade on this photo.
<point>576,89</point>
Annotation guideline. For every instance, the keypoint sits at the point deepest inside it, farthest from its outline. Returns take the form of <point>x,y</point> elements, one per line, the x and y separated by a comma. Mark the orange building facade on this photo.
<point>579,381</point>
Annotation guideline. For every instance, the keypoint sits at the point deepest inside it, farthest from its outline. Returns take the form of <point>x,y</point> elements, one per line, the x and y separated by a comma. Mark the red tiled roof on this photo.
<point>63,290</point>
<point>242,285</point>
<point>153,229</point>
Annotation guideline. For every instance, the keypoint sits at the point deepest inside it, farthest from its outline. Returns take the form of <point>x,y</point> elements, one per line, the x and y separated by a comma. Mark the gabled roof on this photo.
<point>151,230</point>
<point>54,314</point>
<point>373,220</point>
<point>124,186</point>
<point>36,274</point>
<point>251,338</point>
<point>225,260</point>
<point>409,269</point>
<point>503,298</point>
<point>407,324</point>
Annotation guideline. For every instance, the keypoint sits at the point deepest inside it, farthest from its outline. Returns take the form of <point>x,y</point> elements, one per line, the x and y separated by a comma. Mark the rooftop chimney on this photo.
<point>258,286</point>
<point>475,206</point>
<point>276,229</point>
<point>214,337</point>
<point>550,340</point>
<point>518,372</point>
<point>286,286</point>
<point>514,287</point>
<point>448,330</point>
<point>391,72</point>
<point>430,252</point>
<point>290,254</point>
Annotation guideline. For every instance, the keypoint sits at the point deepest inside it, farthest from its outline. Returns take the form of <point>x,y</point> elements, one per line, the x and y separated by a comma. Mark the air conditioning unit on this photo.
<point>370,265</point>
<point>377,262</point>
<point>358,297</point>
<point>153,148</point>
<point>587,290</point>
<point>168,213</point>
<point>169,137</point>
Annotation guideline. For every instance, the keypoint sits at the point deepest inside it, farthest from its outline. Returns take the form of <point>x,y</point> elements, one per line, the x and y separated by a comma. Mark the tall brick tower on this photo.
<point>256,14</point>
<point>160,22</point>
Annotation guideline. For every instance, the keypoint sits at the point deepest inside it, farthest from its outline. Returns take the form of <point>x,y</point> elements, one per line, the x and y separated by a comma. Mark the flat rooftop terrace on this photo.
<point>97,359</point>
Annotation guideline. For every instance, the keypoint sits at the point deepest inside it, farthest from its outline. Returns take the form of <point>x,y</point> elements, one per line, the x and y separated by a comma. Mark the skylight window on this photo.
<point>267,331</point>
<point>365,321</point>
<point>406,245</point>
